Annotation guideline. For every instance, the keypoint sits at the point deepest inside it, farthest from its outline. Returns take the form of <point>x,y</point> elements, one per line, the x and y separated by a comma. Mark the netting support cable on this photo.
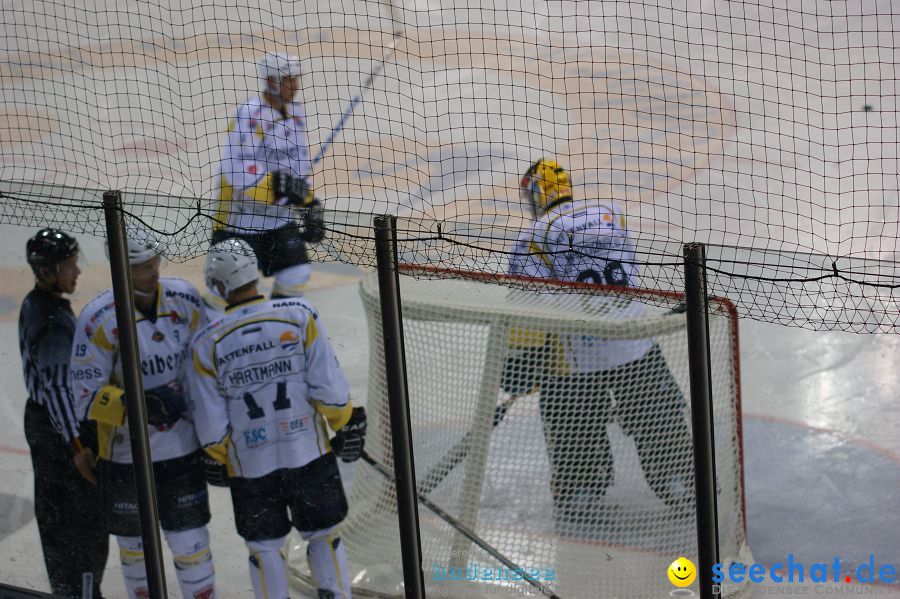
<point>702,415</point>
<point>466,532</point>
<point>398,403</point>
<point>134,393</point>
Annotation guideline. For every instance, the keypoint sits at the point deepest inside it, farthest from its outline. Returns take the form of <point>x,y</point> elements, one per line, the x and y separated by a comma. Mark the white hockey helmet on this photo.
<point>232,263</point>
<point>278,65</point>
<point>142,245</point>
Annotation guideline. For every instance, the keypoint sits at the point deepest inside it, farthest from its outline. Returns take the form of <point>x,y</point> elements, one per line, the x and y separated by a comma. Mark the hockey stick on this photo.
<point>458,452</point>
<point>466,532</point>
<point>379,68</point>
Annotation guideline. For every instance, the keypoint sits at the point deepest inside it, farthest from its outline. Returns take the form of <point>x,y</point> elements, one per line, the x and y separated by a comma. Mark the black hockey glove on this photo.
<point>348,442</point>
<point>164,405</point>
<point>314,222</point>
<point>288,190</point>
<point>216,473</point>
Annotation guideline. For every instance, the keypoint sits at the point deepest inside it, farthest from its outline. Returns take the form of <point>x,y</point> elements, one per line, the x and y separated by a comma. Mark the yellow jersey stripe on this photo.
<point>262,191</point>
<point>312,332</point>
<point>223,211</point>
<point>100,339</point>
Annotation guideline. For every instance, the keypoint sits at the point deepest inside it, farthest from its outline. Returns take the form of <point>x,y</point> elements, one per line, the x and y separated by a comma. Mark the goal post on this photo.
<point>481,450</point>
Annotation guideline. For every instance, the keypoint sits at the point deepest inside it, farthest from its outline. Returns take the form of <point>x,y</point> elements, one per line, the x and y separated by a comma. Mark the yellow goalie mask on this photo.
<point>544,184</point>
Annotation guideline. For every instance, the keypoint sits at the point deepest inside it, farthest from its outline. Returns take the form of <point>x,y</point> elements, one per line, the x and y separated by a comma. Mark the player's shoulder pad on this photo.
<point>563,214</point>
<point>175,289</point>
<point>548,229</point>
<point>606,217</point>
<point>203,332</point>
<point>601,217</point>
<point>297,303</point>
<point>99,310</point>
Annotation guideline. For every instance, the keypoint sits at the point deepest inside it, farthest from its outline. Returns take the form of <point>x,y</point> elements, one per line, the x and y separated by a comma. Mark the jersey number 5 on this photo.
<point>282,402</point>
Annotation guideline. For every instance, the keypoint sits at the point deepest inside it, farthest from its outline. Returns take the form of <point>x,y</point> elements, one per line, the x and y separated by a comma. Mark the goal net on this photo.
<point>581,521</point>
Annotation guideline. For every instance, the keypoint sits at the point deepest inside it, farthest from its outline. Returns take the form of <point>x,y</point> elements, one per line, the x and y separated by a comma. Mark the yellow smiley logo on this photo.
<point>682,572</point>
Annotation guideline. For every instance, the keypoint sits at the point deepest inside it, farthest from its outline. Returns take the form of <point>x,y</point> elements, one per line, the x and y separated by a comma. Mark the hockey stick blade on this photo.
<point>456,524</point>
<point>458,452</point>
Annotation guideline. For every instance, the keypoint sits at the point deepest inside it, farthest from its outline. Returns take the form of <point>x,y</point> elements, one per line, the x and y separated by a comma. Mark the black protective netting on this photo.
<point>765,129</point>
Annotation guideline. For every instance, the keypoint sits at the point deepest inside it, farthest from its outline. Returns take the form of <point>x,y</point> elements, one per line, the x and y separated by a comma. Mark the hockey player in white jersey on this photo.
<point>264,177</point>
<point>588,241</point>
<point>266,381</point>
<point>168,312</point>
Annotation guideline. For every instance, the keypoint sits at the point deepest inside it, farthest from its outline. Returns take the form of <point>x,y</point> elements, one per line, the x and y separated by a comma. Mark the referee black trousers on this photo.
<point>68,511</point>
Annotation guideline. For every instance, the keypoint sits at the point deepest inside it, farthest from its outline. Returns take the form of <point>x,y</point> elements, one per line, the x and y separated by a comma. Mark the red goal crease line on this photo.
<point>14,450</point>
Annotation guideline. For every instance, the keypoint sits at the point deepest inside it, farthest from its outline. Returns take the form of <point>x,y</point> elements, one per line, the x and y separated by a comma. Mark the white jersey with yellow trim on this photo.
<point>265,382</point>
<point>96,368</point>
<point>260,142</point>
<point>584,241</point>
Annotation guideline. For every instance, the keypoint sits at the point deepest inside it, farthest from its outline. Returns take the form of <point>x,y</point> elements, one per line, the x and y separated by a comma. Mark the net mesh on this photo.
<point>509,419</point>
<point>766,131</point>
<point>749,125</point>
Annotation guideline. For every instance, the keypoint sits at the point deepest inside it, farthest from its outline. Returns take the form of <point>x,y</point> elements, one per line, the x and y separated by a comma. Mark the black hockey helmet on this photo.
<point>49,247</point>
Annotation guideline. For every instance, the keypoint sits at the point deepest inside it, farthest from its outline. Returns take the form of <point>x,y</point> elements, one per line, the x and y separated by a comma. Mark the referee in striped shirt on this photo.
<point>67,503</point>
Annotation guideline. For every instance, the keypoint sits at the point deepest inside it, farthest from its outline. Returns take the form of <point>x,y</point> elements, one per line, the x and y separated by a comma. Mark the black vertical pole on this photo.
<point>134,393</point>
<point>702,415</point>
<point>398,403</point>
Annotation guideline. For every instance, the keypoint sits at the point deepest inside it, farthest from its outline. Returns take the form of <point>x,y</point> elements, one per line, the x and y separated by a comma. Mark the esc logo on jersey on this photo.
<point>256,437</point>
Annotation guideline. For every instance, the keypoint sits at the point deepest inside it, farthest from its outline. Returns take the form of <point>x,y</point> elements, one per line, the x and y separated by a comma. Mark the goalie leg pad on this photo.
<point>134,572</point>
<point>651,409</point>
<point>267,569</point>
<point>575,411</point>
<point>328,563</point>
<point>193,562</point>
